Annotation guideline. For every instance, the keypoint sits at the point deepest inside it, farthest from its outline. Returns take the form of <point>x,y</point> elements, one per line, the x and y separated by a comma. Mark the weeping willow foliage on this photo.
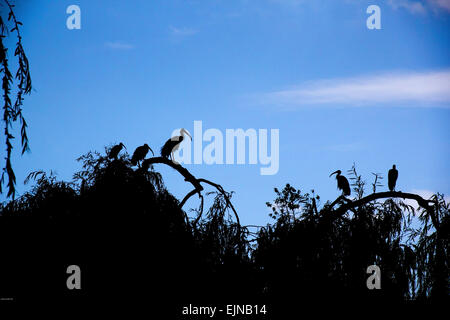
<point>306,253</point>
<point>303,251</point>
<point>12,96</point>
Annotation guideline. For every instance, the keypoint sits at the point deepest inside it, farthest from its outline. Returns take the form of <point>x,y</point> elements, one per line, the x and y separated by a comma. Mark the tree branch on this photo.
<point>198,188</point>
<point>222,191</point>
<point>183,171</point>
<point>380,195</point>
<point>314,206</point>
<point>190,194</point>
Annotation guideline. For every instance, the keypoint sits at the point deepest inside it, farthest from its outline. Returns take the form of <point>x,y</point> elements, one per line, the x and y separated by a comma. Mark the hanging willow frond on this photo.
<point>13,111</point>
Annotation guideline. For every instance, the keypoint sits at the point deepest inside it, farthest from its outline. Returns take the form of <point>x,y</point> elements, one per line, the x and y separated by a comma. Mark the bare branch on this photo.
<point>198,188</point>
<point>190,194</point>
<point>183,171</point>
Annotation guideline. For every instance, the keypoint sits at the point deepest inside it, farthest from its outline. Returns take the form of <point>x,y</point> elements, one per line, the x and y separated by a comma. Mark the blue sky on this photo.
<point>338,92</point>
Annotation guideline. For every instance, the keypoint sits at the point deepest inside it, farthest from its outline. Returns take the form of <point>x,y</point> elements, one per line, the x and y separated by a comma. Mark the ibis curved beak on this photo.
<point>185,131</point>
<point>151,151</point>
<point>334,173</point>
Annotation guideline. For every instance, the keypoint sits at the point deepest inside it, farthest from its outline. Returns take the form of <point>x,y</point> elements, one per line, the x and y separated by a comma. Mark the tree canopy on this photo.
<point>114,215</point>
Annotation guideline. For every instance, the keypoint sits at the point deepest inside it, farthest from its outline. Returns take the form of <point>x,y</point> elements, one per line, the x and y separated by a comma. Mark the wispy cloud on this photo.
<point>426,89</point>
<point>421,7</point>
<point>441,4</point>
<point>183,31</point>
<point>118,45</point>
<point>411,6</point>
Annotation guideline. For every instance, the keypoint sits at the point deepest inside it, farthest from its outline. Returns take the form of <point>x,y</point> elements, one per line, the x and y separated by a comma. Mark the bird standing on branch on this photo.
<point>140,153</point>
<point>114,152</point>
<point>392,178</point>
<point>342,183</point>
<point>173,144</point>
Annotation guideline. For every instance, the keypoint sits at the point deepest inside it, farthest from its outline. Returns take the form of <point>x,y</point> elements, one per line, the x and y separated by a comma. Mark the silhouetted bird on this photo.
<point>140,153</point>
<point>392,178</point>
<point>173,144</point>
<point>342,183</point>
<point>114,152</point>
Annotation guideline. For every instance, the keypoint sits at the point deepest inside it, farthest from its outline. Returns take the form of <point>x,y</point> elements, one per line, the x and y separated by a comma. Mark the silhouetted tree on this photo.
<point>124,227</point>
<point>326,255</point>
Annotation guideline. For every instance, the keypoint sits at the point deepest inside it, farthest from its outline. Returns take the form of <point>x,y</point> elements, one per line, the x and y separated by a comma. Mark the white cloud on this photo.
<point>184,31</point>
<point>420,6</point>
<point>426,89</point>
<point>411,6</point>
<point>119,45</point>
<point>442,4</point>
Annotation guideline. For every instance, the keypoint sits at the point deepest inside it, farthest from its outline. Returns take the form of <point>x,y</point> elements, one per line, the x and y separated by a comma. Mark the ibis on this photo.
<point>342,183</point>
<point>114,152</point>
<point>140,153</point>
<point>173,144</point>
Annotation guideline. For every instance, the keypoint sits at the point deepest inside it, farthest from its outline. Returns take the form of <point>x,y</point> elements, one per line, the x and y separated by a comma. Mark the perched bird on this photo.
<point>342,183</point>
<point>392,178</point>
<point>173,144</point>
<point>140,153</point>
<point>114,152</point>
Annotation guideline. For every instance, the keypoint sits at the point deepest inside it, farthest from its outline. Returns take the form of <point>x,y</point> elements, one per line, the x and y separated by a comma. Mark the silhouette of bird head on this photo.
<point>337,171</point>
<point>184,131</point>
<point>148,148</point>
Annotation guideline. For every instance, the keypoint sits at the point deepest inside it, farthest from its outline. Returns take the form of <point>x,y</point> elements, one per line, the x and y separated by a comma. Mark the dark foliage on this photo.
<point>129,235</point>
<point>12,111</point>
